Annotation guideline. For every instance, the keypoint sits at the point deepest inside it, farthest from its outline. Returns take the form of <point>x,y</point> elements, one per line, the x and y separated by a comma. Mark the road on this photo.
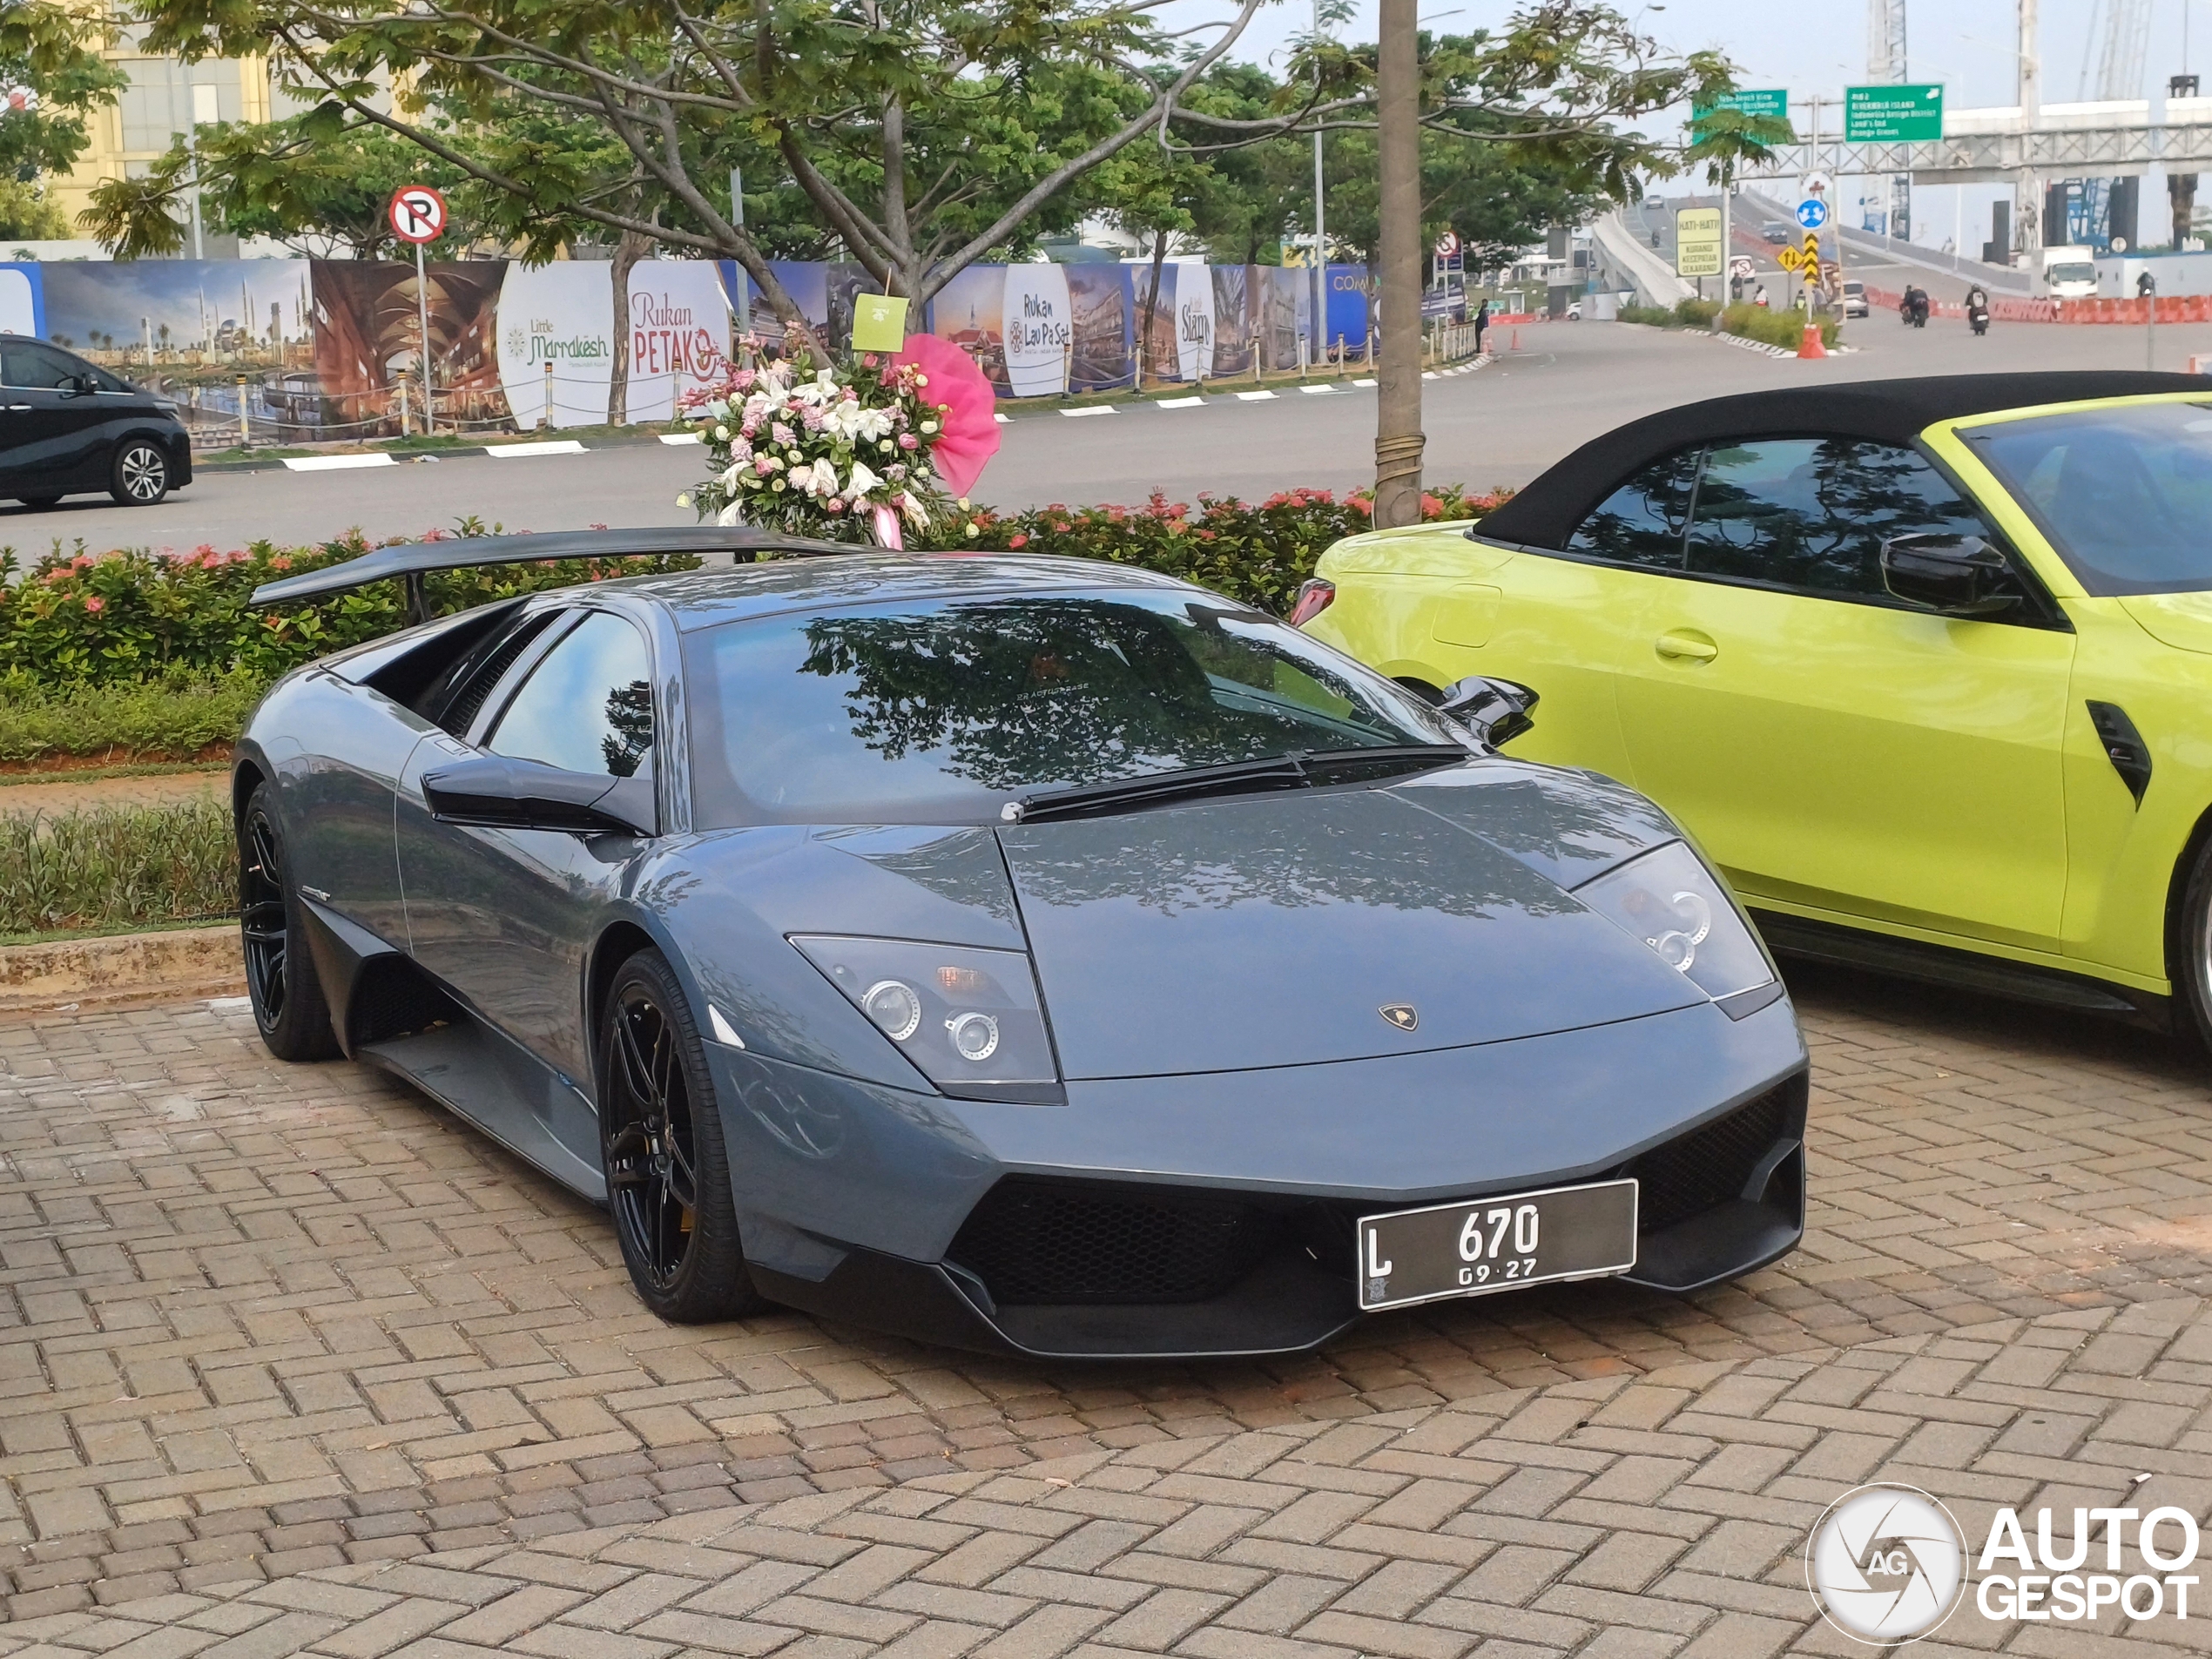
<point>1864,258</point>
<point>1552,386</point>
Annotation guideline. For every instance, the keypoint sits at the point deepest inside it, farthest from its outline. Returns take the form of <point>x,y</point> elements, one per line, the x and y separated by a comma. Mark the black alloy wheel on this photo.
<point>141,473</point>
<point>660,1139</point>
<point>280,979</point>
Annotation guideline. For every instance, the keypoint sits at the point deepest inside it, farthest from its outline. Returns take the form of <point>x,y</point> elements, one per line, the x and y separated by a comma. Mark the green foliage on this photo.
<point>1258,553</point>
<point>26,215</point>
<point>1696,313</point>
<point>132,616</point>
<point>1775,328</point>
<point>116,866</point>
<point>54,49</point>
<point>1651,316</point>
<point>175,716</point>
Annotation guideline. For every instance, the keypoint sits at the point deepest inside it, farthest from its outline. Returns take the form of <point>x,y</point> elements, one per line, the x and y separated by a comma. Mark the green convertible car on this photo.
<point>1925,665</point>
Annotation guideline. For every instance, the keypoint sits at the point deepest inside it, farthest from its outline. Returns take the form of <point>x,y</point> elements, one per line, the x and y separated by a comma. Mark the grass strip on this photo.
<point>101,868</point>
<point>152,720</point>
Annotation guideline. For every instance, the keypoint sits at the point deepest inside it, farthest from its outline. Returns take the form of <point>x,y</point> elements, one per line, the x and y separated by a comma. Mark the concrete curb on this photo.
<point>183,961</point>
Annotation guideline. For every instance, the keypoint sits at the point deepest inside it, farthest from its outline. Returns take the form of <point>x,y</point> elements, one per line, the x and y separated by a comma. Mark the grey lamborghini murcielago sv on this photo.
<point>1024,953</point>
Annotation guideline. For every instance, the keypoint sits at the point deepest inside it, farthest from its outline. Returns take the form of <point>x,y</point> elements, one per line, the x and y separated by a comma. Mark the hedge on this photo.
<point>181,633</point>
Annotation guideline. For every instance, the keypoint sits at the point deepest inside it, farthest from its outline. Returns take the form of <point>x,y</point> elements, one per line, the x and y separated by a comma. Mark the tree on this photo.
<point>53,49</point>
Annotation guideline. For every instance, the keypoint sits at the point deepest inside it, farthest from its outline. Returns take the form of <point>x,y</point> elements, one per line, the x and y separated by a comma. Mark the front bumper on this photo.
<point>1213,1216</point>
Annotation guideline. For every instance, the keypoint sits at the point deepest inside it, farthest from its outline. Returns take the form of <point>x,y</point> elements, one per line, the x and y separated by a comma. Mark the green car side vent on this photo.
<point>2124,747</point>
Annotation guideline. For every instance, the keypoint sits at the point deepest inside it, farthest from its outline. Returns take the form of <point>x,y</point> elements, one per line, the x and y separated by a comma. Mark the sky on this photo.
<point>1818,48</point>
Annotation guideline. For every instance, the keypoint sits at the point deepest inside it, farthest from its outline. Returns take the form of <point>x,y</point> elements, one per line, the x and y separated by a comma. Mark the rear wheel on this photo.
<point>660,1142</point>
<point>140,476</point>
<point>280,978</point>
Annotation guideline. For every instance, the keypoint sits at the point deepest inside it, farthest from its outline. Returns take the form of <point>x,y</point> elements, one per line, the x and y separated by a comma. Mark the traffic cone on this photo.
<point>1811,346</point>
<point>1515,343</point>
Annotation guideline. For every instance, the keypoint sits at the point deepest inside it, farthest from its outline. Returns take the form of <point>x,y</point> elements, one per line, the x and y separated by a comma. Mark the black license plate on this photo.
<point>1481,1245</point>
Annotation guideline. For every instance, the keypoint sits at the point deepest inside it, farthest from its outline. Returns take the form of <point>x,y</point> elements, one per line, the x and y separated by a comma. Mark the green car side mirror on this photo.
<point>1959,576</point>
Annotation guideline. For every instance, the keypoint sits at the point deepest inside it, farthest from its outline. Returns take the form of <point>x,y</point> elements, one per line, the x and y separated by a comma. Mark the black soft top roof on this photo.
<point>1549,510</point>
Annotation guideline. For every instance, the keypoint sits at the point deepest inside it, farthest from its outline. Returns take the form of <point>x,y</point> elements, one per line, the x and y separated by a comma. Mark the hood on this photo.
<point>2181,620</point>
<point>1271,930</point>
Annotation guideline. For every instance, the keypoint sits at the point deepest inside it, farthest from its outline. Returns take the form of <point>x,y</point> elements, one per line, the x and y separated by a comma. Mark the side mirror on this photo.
<point>78,386</point>
<point>1959,576</point>
<point>1495,711</point>
<point>495,793</point>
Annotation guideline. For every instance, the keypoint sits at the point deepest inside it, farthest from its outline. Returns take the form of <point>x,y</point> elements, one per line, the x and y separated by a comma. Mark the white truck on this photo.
<point>2069,272</point>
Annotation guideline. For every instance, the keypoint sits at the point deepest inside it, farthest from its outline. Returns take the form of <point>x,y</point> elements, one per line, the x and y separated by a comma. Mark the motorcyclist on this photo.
<point>1914,310</point>
<point>1978,308</point>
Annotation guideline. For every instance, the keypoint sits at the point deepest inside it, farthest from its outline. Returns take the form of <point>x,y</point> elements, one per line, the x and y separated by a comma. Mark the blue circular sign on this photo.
<point>1812,212</point>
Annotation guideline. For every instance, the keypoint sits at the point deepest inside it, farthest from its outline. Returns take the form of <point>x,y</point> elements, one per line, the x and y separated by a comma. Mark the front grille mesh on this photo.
<point>1707,1166</point>
<point>1055,1242</point>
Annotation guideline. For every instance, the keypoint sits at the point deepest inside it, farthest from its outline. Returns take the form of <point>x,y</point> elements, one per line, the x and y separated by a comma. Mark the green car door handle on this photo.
<point>1686,644</point>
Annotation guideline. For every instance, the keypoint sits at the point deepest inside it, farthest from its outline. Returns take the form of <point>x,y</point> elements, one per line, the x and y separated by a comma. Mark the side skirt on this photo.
<point>1910,959</point>
<point>480,1075</point>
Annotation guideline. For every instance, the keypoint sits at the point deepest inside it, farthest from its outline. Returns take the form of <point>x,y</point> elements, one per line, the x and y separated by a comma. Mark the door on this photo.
<point>50,421</point>
<point>1833,748</point>
<point>506,917</point>
<point>1566,625</point>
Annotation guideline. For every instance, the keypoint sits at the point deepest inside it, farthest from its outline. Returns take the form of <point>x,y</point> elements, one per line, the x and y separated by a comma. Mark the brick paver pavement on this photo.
<point>295,1363</point>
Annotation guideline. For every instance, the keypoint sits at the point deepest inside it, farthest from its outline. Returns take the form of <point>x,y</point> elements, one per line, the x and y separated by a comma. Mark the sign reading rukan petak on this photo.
<point>418,214</point>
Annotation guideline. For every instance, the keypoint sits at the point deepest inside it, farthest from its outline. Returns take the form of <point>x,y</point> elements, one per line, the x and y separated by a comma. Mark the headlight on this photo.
<point>1672,902</point>
<point>969,1020</point>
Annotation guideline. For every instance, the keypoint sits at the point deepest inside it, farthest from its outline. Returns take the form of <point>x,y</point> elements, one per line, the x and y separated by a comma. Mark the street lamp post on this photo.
<point>1398,440</point>
<point>1320,231</point>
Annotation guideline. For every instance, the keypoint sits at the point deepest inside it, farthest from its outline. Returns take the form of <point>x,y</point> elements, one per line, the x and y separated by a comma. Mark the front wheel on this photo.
<point>280,978</point>
<point>140,477</point>
<point>660,1142</point>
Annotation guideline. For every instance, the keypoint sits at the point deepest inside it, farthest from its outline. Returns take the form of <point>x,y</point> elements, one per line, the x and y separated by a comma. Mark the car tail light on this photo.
<point>1314,597</point>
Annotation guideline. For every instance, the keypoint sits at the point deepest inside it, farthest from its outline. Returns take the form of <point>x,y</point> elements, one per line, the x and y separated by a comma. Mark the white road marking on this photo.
<point>1180,403</point>
<point>337,463</point>
<point>546,446</point>
<point>1253,397</point>
<point>1095,408</point>
<point>683,437</point>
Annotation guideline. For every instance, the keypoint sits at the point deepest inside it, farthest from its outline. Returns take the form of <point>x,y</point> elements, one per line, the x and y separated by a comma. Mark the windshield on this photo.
<point>2124,494</point>
<point>2082,272</point>
<point>942,710</point>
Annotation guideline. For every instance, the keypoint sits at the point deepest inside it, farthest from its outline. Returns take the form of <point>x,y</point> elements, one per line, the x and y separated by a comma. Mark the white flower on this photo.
<point>722,434</point>
<point>911,506</point>
<point>863,481</point>
<point>728,515</point>
<point>928,428</point>
<point>820,479</point>
<point>686,500</point>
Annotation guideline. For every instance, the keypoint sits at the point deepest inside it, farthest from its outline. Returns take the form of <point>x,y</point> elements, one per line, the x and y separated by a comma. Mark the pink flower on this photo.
<point>1018,541</point>
<point>95,603</point>
<point>907,441</point>
<point>279,562</point>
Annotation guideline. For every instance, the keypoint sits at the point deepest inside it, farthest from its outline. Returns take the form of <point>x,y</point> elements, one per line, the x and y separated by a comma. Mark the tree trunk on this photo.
<point>1151,307</point>
<point>629,249</point>
<point>1398,440</point>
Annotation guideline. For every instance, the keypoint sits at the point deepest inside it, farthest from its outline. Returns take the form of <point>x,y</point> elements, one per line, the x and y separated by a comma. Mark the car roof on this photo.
<point>1549,510</point>
<point>703,598</point>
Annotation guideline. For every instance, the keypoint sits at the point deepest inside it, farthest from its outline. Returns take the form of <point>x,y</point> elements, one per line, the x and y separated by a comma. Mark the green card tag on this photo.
<point>879,322</point>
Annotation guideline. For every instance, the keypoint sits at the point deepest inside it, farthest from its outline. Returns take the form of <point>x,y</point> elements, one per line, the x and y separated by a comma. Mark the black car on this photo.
<point>68,427</point>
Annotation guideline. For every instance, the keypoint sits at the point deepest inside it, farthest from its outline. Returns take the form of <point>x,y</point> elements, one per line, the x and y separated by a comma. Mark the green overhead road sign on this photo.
<point>1772,101</point>
<point>1912,113</point>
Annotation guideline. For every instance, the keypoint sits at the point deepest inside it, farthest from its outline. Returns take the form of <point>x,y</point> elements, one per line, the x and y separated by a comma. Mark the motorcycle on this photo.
<point>1978,318</point>
<point>1914,313</point>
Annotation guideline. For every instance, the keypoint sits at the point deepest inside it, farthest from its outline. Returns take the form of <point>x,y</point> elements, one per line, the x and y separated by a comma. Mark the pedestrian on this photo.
<point>1758,296</point>
<point>1481,322</point>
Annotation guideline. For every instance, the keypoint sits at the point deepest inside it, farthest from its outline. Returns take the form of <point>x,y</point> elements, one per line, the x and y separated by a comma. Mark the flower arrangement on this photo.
<point>838,453</point>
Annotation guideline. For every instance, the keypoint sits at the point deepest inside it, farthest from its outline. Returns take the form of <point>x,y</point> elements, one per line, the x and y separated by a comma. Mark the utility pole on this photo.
<point>1398,440</point>
<point>2027,209</point>
<point>1320,221</point>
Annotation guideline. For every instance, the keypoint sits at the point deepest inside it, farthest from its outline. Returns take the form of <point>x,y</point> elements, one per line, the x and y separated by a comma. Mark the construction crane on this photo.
<point>1885,66</point>
<point>2122,29</point>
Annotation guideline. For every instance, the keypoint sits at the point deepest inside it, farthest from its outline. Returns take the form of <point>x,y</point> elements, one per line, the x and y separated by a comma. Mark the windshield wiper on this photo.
<point>1300,769</point>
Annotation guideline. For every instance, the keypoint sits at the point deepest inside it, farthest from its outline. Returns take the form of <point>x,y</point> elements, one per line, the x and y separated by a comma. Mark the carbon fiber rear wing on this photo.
<point>410,562</point>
